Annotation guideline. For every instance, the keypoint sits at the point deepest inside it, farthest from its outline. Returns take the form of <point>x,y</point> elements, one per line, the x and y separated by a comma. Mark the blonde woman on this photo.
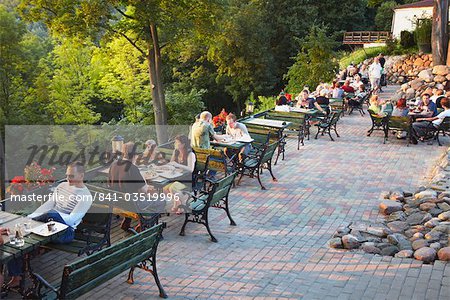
<point>374,104</point>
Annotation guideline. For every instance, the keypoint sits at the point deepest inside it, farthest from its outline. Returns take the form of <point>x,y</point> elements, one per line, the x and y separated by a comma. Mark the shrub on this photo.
<point>423,34</point>
<point>407,39</point>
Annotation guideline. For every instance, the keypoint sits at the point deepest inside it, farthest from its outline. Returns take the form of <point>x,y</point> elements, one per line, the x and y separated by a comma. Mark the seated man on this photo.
<point>282,100</point>
<point>69,203</point>
<point>422,126</point>
<point>237,130</point>
<point>202,131</point>
<point>426,105</point>
<point>347,87</point>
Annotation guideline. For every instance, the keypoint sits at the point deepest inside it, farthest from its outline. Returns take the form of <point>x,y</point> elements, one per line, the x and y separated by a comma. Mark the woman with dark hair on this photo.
<point>182,156</point>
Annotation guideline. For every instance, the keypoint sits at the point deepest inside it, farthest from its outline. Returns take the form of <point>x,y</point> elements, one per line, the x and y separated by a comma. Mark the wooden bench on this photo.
<point>83,275</point>
<point>145,219</point>
<point>263,136</point>
<point>299,123</point>
<point>328,124</point>
<point>398,124</point>
<point>215,194</point>
<point>92,234</point>
<point>253,164</point>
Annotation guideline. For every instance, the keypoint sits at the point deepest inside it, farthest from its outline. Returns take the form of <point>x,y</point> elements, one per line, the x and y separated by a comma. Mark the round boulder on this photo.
<point>444,216</point>
<point>444,254</point>
<point>425,254</point>
<point>404,254</point>
<point>440,70</point>
<point>335,243</point>
<point>420,243</point>
<point>426,75</point>
<point>388,207</point>
<point>350,242</point>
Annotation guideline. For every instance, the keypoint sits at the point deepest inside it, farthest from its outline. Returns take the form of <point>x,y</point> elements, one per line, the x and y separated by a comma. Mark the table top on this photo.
<point>304,111</point>
<point>153,175</point>
<point>268,123</point>
<point>32,241</point>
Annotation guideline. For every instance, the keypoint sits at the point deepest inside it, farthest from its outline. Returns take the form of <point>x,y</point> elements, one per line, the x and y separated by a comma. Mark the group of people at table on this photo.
<point>72,199</point>
<point>428,112</point>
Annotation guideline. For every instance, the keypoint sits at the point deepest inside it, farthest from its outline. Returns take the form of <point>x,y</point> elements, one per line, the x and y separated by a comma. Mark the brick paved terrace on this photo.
<point>278,248</point>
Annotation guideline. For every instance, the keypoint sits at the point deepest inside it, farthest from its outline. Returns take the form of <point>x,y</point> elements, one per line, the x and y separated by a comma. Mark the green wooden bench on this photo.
<point>146,219</point>
<point>263,136</point>
<point>207,160</point>
<point>83,275</point>
<point>397,124</point>
<point>215,194</point>
<point>92,234</point>
<point>299,123</point>
<point>253,165</point>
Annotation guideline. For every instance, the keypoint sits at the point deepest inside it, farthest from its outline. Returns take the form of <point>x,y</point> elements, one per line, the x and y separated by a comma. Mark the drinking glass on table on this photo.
<point>11,236</point>
<point>19,235</point>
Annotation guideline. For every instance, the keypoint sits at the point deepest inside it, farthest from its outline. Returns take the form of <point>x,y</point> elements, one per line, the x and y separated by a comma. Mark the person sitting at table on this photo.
<point>69,203</point>
<point>356,82</point>
<point>347,87</point>
<point>400,109</point>
<point>360,94</point>
<point>422,126</point>
<point>124,176</point>
<point>338,92</point>
<point>322,98</point>
<point>282,100</point>
<point>150,154</point>
<point>375,105</point>
<point>202,131</point>
<point>237,130</point>
<point>183,158</point>
<point>437,97</point>
<point>426,105</point>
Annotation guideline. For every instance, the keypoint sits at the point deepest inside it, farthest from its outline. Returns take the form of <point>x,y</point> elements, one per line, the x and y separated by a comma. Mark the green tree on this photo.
<point>383,18</point>
<point>314,63</point>
<point>68,83</point>
<point>241,53</point>
<point>147,25</point>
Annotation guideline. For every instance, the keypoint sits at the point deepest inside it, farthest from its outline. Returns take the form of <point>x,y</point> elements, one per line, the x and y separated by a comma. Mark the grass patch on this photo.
<point>359,55</point>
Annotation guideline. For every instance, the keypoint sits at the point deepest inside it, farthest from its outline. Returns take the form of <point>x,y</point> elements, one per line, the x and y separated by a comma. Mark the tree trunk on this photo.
<point>439,36</point>
<point>158,99</point>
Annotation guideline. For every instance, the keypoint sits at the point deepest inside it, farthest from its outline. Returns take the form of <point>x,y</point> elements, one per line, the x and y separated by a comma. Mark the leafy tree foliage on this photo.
<point>314,63</point>
<point>385,12</point>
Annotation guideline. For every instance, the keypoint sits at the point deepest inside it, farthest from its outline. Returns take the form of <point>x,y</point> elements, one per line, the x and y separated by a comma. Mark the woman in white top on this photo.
<point>375,75</point>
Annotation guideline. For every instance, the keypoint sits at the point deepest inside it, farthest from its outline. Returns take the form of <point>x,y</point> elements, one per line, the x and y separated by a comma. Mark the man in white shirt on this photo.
<point>375,75</point>
<point>69,203</point>
<point>238,130</point>
<point>420,128</point>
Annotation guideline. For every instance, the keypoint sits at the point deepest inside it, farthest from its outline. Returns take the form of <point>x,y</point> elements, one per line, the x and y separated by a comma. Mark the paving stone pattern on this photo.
<point>278,248</point>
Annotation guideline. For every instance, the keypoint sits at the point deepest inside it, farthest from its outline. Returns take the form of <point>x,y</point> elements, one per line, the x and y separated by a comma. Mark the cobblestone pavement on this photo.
<point>278,249</point>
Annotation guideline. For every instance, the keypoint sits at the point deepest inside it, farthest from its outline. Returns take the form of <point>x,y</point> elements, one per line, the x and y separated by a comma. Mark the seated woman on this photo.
<point>400,109</point>
<point>359,95</point>
<point>374,105</point>
<point>423,126</point>
<point>150,154</point>
<point>182,158</point>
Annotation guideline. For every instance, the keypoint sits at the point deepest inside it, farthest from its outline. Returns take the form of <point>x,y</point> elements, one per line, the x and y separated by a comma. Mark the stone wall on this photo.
<point>408,68</point>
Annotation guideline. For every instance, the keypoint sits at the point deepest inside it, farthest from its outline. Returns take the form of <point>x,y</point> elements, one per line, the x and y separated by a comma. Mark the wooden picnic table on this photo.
<point>276,124</point>
<point>158,180</point>
<point>32,241</point>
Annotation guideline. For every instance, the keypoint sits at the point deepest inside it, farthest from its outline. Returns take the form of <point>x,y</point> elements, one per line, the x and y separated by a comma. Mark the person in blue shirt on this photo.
<point>426,104</point>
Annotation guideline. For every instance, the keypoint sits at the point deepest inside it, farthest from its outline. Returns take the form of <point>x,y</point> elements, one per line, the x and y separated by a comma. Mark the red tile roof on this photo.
<point>424,3</point>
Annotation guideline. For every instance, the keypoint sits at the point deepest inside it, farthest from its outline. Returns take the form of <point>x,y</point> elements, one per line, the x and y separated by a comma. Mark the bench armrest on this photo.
<point>43,282</point>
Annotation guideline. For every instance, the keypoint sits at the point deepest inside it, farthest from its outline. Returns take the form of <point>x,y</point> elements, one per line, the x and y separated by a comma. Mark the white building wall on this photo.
<point>404,19</point>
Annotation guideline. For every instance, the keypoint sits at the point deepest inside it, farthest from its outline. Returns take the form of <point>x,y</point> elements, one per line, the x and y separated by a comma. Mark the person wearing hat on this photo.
<point>282,100</point>
<point>150,153</point>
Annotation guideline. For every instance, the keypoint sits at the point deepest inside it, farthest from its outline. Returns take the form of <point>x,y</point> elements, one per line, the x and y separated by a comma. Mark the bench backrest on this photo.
<point>220,189</point>
<point>445,125</point>
<point>297,120</point>
<point>395,122</point>
<point>97,219</point>
<point>213,159</point>
<point>83,275</point>
<point>268,152</point>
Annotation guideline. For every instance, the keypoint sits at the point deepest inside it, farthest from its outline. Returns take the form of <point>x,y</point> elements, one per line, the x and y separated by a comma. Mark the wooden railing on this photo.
<point>365,37</point>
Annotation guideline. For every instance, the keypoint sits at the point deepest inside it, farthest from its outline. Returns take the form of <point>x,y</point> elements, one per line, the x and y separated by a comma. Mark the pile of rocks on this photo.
<point>408,67</point>
<point>438,76</point>
<point>416,226</point>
